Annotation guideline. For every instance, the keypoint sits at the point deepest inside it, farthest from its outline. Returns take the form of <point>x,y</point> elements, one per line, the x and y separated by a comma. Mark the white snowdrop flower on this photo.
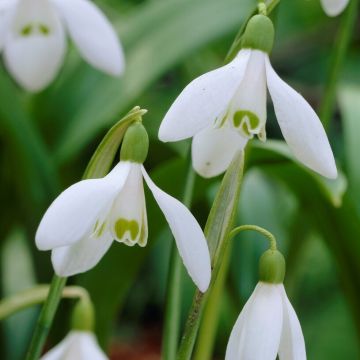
<point>80,225</point>
<point>267,326</point>
<point>334,7</point>
<point>226,107</point>
<point>77,345</point>
<point>33,39</point>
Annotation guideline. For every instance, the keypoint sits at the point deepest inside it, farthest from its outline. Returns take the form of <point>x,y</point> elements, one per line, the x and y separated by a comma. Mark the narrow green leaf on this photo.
<point>349,102</point>
<point>218,226</point>
<point>223,211</point>
<point>17,273</point>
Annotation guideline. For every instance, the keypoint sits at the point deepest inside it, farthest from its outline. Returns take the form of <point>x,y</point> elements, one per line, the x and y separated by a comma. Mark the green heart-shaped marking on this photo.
<point>123,225</point>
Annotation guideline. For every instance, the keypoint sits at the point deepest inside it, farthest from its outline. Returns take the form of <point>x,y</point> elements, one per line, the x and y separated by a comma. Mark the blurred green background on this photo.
<point>47,139</point>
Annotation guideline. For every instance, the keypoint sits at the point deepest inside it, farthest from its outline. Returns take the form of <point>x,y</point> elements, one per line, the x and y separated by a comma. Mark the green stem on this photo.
<point>337,60</point>
<point>46,318</point>
<point>35,296</point>
<point>212,309</point>
<point>217,229</point>
<point>173,296</point>
<point>259,229</point>
<point>208,329</point>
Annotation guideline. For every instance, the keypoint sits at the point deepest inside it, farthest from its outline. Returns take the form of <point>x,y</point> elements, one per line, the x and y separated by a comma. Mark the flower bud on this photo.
<point>135,144</point>
<point>259,34</point>
<point>272,267</point>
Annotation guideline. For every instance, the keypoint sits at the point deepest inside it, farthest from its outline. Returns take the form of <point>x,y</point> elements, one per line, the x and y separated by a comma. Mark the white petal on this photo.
<point>250,97</point>
<point>35,45</point>
<point>128,219</point>
<point>262,327</point>
<point>7,8</point>
<point>301,127</point>
<point>74,213</point>
<point>81,256</point>
<point>203,100</point>
<point>79,345</point>
<point>233,346</point>
<point>190,239</point>
<point>292,344</point>
<point>334,7</point>
<point>214,148</point>
<point>93,35</point>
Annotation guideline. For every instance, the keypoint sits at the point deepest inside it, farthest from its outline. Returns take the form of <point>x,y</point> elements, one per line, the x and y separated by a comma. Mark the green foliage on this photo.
<point>47,139</point>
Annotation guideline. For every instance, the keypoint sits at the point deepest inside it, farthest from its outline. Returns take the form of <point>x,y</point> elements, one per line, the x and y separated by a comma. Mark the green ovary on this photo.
<point>246,127</point>
<point>123,225</point>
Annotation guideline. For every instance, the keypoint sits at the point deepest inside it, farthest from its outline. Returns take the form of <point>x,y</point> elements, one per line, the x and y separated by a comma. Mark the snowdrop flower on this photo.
<point>226,107</point>
<point>334,7</point>
<point>80,225</point>
<point>268,325</point>
<point>77,345</point>
<point>33,39</point>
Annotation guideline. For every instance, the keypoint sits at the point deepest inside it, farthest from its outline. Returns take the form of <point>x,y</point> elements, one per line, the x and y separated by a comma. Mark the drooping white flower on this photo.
<point>226,107</point>
<point>334,7</point>
<point>33,39</point>
<point>77,345</point>
<point>80,225</point>
<point>267,327</point>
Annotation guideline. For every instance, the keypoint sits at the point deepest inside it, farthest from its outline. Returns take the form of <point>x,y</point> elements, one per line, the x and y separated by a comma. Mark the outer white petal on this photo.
<point>292,344</point>
<point>74,213</point>
<point>34,59</point>
<point>6,14</point>
<point>128,207</point>
<point>233,346</point>
<point>334,7</point>
<point>301,127</point>
<point>261,333</point>
<point>93,35</point>
<point>81,256</point>
<point>79,345</point>
<point>214,148</point>
<point>190,239</point>
<point>203,100</point>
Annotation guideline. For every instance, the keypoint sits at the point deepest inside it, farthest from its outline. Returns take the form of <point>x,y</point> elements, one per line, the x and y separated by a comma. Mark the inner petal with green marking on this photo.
<point>128,221</point>
<point>247,122</point>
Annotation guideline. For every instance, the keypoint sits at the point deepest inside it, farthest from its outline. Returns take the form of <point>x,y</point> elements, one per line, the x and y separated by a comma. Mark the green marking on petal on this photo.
<point>99,229</point>
<point>247,122</point>
<point>143,233</point>
<point>26,30</point>
<point>241,115</point>
<point>45,30</point>
<point>123,225</point>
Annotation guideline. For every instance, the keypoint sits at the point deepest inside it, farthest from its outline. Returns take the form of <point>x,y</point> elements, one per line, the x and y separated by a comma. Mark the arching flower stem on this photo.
<point>258,229</point>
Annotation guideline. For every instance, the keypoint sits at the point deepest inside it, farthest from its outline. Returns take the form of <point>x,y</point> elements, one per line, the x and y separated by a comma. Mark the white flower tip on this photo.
<point>166,133</point>
<point>326,168</point>
<point>204,282</point>
<point>331,172</point>
<point>116,65</point>
<point>334,7</point>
